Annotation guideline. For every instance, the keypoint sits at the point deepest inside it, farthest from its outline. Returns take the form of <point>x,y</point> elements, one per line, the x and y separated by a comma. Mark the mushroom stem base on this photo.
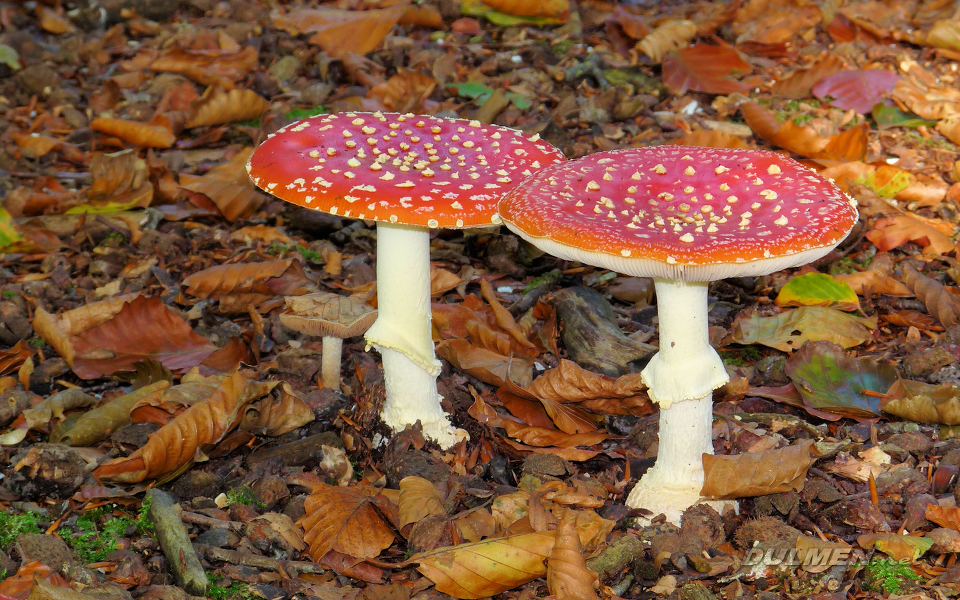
<point>668,502</point>
<point>412,396</point>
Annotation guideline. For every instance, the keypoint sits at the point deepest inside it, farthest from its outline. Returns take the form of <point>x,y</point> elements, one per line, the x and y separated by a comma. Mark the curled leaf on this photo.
<point>419,498</point>
<point>277,413</point>
<point>846,146</point>
<point>568,577</point>
<point>671,35</point>
<point>217,107</point>
<point>758,474</point>
<point>923,402</point>
<point>345,520</point>
<point>100,422</point>
<point>939,302</point>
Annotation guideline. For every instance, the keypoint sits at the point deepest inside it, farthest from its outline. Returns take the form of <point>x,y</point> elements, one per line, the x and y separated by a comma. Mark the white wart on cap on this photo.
<point>682,213</point>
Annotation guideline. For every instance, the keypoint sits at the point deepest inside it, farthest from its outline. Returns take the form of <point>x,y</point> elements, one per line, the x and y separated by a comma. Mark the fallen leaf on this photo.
<point>818,289</point>
<point>419,498</point>
<point>569,382</point>
<point>904,548</point>
<point>940,303</point>
<point>218,107</point>
<point>923,402</point>
<point>704,68</point>
<point>188,438</point>
<point>789,330</point>
<point>859,90</point>
<point>758,474</point>
<point>933,235</point>
<point>844,146</point>
<point>100,422</point>
<point>486,568</point>
<point>345,520</point>
<point>711,139</point>
<point>872,282</point>
<point>252,282</point>
<point>277,414</point>
<point>486,365</point>
<point>340,31</point>
<point>667,37</point>
<point>833,383</point>
<point>228,186</point>
<point>143,328</point>
<point>405,91</point>
<point>530,8</point>
<point>568,577</point>
<point>799,83</point>
<point>155,134</point>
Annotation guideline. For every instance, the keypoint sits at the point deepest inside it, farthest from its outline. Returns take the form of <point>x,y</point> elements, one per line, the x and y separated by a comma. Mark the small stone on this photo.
<point>944,540</point>
<point>915,511</point>
<point>911,441</point>
<point>860,513</point>
<point>219,538</point>
<point>906,482</point>
<point>924,363</point>
<point>197,483</point>
<point>50,550</point>
<point>541,465</point>
<point>285,69</point>
<point>270,490</point>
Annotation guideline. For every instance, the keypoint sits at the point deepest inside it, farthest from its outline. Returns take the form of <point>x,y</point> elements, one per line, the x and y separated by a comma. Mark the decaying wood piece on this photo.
<point>616,556</point>
<point>164,513</point>
<point>260,562</point>
<point>591,336</point>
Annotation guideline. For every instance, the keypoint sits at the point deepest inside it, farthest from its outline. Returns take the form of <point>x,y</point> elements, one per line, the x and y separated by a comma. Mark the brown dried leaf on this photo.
<point>11,360</point>
<point>405,91</point>
<point>633,25</point>
<point>209,67</point>
<point>187,439</point>
<point>704,68</point>
<point>217,107</point>
<point>484,569</point>
<point>485,365</point>
<point>708,138</point>
<point>873,282</point>
<point>442,281</point>
<point>423,15</point>
<point>767,472</point>
<point>773,22</point>
<point>283,277</point>
<point>932,234</point>
<point>345,520</point>
<point>56,331</point>
<point>669,36</point>
<point>944,516</point>
<point>503,317</point>
<point>798,84</point>
<point>568,577</point>
<point>45,412</point>
<point>940,303</point>
<point>419,498</point>
<point>155,134</point>
<point>143,328</point>
<point>341,31</point>
<point>923,402</point>
<point>276,414</point>
<point>176,399</point>
<point>120,181</point>
<point>845,146</point>
<point>100,422</point>
<point>228,186</point>
<point>571,383</point>
<point>531,8</point>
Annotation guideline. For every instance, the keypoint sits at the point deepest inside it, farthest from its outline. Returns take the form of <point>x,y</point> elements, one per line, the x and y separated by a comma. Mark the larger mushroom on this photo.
<point>410,174</point>
<point>684,216</point>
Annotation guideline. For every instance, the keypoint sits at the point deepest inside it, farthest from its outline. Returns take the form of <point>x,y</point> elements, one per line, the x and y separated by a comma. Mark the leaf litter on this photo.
<point>143,277</point>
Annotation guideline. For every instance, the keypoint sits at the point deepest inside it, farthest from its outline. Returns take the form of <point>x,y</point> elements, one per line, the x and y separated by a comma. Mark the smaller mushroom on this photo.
<point>332,318</point>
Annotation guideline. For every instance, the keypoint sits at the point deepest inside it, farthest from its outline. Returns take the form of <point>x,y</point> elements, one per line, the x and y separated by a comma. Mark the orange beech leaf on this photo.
<point>35,145</point>
<point>758,474</point>
<point>188,438</point>
<point>442,281</point>
<point>52,21</point>
<point>96,424</point>
<point>284,277</point>
<point>191,390</point>
<point>773,22</point>
<point>568,577</point>
<point>340,31</point>
<point>345,520</point>
<point>280,412</point>
<point>711,139</point>
<point>228,186</point>
<point>634,26</point>
<point>531,8</point>
<point>155,134</point>
<point>944,516</point>
<point>120,181</point>
<point>845,146</point>
<point>940,303</point>
<point>486,365</point>
<point>489,567</point>
<point>405,91</point>
<point>798,84</point>
<point>57,331</point>
<point>217,107</point>
<point>422,16</point>
<point>221,67</point>
<point>11,360</point>
<point>143,328</point>
<point>503,317</point>
<point>419,498</point>
<point>569,382</point>
<point>669,36</point>
<point>265,233</point>
<point>704,68</point>
<point>932,234</point>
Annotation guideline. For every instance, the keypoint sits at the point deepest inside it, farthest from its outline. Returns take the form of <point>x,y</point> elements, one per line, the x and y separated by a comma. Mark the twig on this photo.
<point>212,522</point>
<point>261,562</point>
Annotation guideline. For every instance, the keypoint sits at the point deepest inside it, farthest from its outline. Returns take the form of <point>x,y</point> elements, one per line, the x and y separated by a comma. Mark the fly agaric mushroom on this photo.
<point>333,318</point>
<point>410,174</point>
<point>684,216</point>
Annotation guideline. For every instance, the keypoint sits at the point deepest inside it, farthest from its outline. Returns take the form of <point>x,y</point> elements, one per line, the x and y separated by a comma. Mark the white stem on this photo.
<point>687,366</point>
<point>681,378</point>
<point>330,362</point>
<point>402,333</point>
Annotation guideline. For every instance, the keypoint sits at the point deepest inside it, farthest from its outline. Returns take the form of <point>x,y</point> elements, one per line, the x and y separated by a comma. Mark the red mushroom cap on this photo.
<point>407,169</point>
<point>696,214</point>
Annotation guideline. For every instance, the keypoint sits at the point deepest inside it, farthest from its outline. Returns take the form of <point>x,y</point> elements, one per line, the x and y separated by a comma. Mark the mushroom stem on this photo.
<point>402,333</point>
<point>681,378</point>
<point>330,362</point>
